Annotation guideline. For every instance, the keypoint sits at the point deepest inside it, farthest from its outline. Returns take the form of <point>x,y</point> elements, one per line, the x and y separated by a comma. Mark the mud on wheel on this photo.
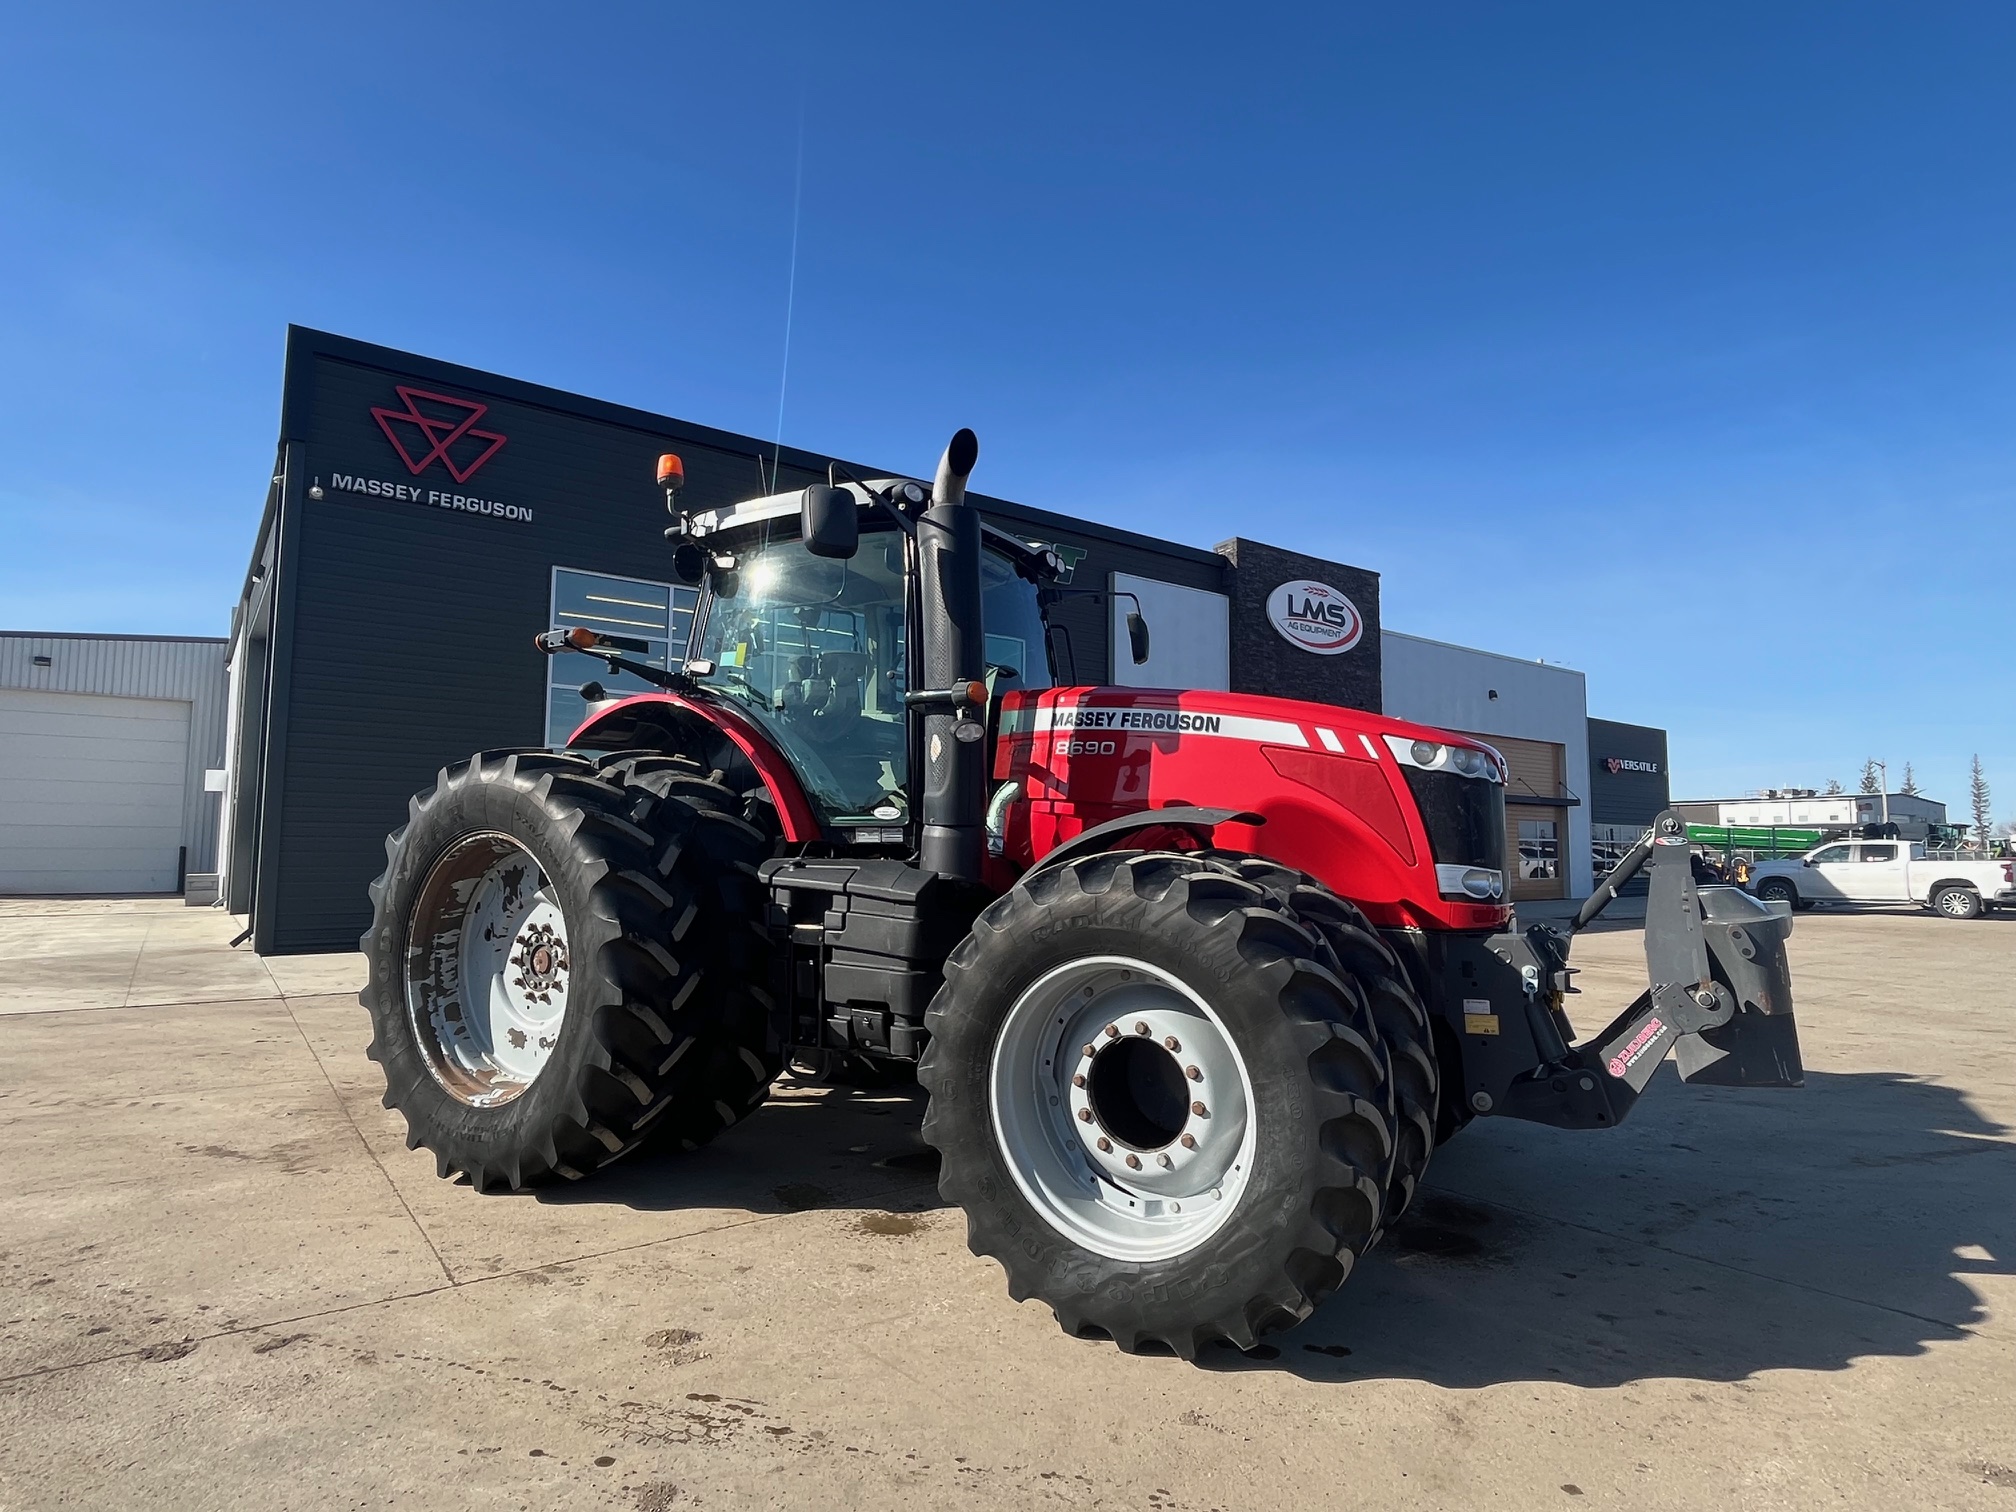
<point>1163,1110</point>
<point>556,968</point>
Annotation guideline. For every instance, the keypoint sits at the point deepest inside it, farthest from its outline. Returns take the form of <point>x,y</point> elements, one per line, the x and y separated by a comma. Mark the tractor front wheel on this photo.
<point>1164,1109</point>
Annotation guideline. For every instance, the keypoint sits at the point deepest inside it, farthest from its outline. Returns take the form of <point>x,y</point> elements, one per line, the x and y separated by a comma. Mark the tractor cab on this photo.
<point>816,647</point>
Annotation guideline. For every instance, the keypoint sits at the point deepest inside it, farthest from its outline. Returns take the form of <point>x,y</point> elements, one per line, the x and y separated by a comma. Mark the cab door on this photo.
<point>1878,873</point>
<point>1828,871</point>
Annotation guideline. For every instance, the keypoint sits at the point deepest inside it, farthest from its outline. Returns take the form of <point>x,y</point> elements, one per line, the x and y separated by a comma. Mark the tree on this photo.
<point>1833,786</point>
<point>1977,789</point>
<point>1910,782</point>
<point>1871,781</point>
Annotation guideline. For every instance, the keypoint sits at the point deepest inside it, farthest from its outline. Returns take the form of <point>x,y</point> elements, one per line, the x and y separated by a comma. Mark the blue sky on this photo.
<point>1676,344</point>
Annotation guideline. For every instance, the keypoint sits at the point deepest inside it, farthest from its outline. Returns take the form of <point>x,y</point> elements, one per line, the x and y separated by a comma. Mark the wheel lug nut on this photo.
<point>1193,1073</point>
<point>1089,1051</point>
<point>1078,1080</point>
<point>1105,1144</point>
<point>1200,1110</point>
<point>1112,1031</point>
<point>1133,1162</point>
<point>1188,1141</point>
<point>1140,1026</point>
<point>1164,1161</point>
<point>1172,1045</point>
<point>1084,1115</point>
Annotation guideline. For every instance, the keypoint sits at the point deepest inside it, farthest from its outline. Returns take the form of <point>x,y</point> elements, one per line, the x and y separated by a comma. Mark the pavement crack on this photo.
<point>138,955</point>
<point>451,1285</point>
<point>371,1154</point>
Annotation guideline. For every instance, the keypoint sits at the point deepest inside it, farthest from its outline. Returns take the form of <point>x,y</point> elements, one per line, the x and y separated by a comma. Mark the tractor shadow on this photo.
<point>812,1145</point>
<point>1718,1234</point>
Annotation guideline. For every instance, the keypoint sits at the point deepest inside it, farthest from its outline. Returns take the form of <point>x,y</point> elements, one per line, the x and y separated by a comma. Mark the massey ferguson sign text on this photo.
<point>1316,617</point>
<point>435,428</point>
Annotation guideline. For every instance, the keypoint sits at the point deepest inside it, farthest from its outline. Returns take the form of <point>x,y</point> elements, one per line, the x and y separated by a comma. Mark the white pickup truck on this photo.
<point>1887,871</point>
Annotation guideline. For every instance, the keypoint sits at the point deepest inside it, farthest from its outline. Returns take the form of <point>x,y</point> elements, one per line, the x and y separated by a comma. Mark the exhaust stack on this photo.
<point>953,654</point>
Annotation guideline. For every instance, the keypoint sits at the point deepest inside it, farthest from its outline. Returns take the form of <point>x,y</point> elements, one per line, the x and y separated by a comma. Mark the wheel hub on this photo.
<point>1122,1107</point>
<point>486,970</point>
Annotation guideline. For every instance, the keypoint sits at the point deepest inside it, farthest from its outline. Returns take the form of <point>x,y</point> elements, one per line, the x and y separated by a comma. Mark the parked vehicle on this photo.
<point>1888,871</point>
<point>1195,981</point>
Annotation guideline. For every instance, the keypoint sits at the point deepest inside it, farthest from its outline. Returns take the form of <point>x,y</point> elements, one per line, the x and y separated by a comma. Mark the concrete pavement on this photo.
<point>225,1282</point>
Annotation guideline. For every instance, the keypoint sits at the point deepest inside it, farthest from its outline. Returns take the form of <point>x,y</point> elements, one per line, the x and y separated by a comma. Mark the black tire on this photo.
<point>666,1027</point>
<point>1956,901</point>
<point>1397,1009</point>
<point>1778,890</point>
<point>1321,1103</point>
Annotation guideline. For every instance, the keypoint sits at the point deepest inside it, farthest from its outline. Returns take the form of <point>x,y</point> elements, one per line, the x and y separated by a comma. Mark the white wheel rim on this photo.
<point>487,970</point>
<point>1082,1060</point>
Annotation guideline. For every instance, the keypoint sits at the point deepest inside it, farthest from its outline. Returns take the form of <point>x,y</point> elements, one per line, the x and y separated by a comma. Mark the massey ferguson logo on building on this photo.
<point>436,428</point>
<point>1316,617</point>
<point>433,428</point>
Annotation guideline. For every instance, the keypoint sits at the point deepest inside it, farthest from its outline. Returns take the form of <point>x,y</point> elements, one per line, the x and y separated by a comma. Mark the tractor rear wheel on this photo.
<point>1164,1110</point>
<point>1369,961</point>
<point>557,969</point>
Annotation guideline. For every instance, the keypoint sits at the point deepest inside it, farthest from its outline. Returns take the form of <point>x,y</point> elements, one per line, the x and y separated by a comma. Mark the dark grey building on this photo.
<point>423,521</point>
<point>1628,786</point>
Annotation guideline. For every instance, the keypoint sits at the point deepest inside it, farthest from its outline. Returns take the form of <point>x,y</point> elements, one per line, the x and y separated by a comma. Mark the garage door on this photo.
<point>91,792</point>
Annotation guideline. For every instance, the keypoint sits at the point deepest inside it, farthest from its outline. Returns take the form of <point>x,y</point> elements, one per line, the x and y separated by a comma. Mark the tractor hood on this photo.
<point>1366,803</point>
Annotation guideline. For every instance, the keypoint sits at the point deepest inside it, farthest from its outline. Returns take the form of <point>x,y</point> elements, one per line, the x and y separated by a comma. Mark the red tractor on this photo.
<point>1196,982</point>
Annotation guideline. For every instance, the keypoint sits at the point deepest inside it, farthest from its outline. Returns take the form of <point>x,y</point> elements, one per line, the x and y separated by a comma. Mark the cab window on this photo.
<point>1832,853</point>
<point>1879,853</point>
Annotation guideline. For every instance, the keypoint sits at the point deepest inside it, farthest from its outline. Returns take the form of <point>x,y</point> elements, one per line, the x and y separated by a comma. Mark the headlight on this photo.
<point>1434,756</point>
<point>1479,882</point>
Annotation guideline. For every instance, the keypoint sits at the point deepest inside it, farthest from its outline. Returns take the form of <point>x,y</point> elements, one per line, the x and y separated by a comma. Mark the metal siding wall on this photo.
<point>138,667</point>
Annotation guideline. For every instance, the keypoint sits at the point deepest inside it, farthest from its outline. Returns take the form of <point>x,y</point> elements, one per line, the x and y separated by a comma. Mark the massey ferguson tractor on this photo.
<point>1196,982</point>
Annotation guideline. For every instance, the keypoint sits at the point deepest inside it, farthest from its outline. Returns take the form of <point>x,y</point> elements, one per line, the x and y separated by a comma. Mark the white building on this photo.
<point>1537,715</point>
<point>105,742</point>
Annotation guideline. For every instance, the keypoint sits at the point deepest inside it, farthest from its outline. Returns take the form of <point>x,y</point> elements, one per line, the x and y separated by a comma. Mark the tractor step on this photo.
<point>864,945</point>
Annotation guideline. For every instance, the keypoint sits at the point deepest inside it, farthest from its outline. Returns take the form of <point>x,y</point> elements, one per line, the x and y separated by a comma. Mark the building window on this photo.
<point>657,614</point>
<point>1539,850</point>
<point>1610,843</point>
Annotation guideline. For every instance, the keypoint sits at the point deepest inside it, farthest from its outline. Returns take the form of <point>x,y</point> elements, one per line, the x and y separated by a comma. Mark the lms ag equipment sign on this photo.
<point>1316,617</point>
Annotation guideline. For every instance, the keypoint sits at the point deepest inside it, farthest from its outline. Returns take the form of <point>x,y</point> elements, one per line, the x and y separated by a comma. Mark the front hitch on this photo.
<point>1720,996</point>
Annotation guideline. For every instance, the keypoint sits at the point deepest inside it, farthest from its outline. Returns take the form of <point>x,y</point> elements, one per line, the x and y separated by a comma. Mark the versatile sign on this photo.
<point>1315,616</point>
<point>438,428</point>
<point>1616,764</point>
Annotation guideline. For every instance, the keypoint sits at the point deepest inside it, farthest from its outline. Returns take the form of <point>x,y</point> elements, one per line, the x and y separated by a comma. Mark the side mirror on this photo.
<point>1137,636</point>
<point>832,527</point>
<point>689,563</point>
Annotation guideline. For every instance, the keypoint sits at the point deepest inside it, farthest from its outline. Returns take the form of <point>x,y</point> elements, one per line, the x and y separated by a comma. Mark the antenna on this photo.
<point>790,293</point>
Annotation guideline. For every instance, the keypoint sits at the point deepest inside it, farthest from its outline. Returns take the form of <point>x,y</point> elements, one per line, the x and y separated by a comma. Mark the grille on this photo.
<point>1465,818</point>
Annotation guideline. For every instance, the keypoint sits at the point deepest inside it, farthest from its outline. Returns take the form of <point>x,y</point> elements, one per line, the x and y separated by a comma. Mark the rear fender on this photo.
<point>710,733</point>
